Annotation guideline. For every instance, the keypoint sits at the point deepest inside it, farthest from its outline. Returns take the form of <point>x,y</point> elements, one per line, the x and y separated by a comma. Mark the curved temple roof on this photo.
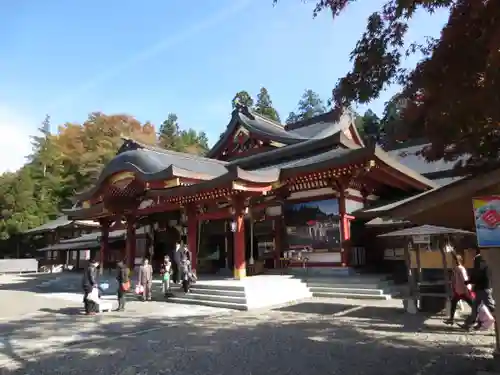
<point>318,127</point>
<point>150,164</point>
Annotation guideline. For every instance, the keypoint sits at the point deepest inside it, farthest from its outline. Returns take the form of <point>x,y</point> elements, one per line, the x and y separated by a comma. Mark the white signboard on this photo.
<point>421,239</point>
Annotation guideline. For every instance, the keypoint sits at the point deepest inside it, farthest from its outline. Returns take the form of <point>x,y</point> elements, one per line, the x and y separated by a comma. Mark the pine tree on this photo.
<point>292,118</point>
<point>169,132</point>
<point>242,98</point>
<point>264,105</point>
<point>310,105</point>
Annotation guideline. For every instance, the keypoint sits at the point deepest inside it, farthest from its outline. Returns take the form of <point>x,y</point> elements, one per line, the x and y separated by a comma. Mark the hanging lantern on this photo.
<point>233,226</point>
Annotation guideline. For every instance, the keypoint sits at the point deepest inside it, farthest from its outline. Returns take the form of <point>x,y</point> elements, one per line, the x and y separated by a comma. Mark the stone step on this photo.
<point>351,296</point>
<point>236,288</point>
<point>205,302</point>
<point>374,292</point>
<point>218,292</point>
<point>216,297</point>
<point>347,286</point>
<point>345,280</point>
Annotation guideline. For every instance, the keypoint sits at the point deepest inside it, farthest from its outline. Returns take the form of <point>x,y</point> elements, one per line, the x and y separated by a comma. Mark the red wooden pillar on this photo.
<point>278,240</point>
<point>240,267</point>
<point>131,243</point>
<point>104,249</point>
<point>345,230</point>
<point>192,235</point>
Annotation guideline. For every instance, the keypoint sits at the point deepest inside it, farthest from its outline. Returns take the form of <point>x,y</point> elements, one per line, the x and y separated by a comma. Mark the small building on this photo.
<point>56,230</point>
<point>264,192</point>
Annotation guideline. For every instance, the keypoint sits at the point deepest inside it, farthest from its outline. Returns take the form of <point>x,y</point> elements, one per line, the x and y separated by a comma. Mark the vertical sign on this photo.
<point>487,218</point>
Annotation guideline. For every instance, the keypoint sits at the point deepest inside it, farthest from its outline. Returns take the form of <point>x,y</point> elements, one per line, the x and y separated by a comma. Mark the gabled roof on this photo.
<point>325,125</point>
<point>255,124</point>
<point>61,222</point>
<point>296,151</point>
<point>318,127</point>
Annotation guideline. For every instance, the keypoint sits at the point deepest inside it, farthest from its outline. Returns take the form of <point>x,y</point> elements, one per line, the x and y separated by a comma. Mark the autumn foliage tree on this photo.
<point>453,93</point>
<point>69,160</point>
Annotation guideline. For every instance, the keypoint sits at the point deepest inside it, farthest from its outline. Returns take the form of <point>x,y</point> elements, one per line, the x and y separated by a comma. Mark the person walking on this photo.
<point>165,271</point>
<point>186,275</point>
<point>123,284</point>
<point>461,291</point>
<point>146,279</point>
<point>481,282</point>
<point>89,283</point>
<point>177,263</point>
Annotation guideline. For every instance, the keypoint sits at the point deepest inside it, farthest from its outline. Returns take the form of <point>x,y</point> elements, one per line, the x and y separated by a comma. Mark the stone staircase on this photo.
<point>352,287</point>
<point>251,293</point>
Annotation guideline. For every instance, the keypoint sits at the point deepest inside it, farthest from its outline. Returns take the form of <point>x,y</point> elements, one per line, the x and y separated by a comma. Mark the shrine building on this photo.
<point>264,192</point>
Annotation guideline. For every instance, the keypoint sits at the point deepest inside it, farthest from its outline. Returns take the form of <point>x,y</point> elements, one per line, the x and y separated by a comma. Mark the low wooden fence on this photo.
<point>18,265</point>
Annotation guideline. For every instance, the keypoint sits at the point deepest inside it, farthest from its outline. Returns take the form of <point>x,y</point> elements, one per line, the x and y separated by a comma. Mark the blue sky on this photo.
<point>68,58</point>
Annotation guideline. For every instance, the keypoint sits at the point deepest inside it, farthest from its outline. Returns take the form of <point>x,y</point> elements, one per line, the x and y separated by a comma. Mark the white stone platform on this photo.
<point>247,294</point>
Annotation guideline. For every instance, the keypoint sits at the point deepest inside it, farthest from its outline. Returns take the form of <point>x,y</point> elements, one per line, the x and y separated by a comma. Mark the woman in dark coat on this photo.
<point>123,284</point>
<point>89,282</point>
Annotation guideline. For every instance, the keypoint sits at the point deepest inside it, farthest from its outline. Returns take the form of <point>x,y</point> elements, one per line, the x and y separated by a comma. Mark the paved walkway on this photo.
<point>314,337</point>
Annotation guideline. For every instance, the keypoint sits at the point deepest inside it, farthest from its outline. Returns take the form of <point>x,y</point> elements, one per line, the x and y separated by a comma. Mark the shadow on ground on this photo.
<point>281,341</point>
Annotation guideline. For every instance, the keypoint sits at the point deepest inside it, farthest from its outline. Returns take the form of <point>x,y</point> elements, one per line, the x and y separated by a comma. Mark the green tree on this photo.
<point>169,132</point>
<point>371,126</point>
<point>452,92</point>
<point>242,98</point>
<point>292,118</point>
<point>310,105</point>
<point>264,106</point>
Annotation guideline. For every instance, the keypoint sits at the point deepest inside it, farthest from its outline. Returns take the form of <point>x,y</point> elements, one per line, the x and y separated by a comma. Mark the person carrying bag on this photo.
<point>123,284</point>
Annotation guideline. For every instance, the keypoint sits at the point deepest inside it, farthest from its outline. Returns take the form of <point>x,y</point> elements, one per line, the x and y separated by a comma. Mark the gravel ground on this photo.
<point>315,337</point>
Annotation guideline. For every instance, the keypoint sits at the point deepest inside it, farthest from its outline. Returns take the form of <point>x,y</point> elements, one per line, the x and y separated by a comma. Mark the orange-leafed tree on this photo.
<point>454,91</point>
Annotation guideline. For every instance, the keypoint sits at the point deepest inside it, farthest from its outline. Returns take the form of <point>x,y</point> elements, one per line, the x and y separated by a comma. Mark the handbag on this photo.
<point>93,296</point>
<point>126,286</point>
<point>166,276</point>
<point>139,289</point>
<point>485,317</point>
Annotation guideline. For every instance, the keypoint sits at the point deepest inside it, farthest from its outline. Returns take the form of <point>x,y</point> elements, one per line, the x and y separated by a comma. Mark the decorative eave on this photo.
<point>226,184</point>
<point>331,165</point>
<point>86,213</point>
<point>296,151</point>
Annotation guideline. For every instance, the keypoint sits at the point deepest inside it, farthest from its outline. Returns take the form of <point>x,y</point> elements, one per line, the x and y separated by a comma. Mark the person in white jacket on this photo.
<point>461,291</point>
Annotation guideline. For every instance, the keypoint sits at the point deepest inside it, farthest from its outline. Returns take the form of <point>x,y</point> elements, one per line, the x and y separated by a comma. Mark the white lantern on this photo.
<point>233,226</point>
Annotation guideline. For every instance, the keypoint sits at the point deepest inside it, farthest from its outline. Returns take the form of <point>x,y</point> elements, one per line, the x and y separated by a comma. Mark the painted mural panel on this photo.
<point>313,226</point>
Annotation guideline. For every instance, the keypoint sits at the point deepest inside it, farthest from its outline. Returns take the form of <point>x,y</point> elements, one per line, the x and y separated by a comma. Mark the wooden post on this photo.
<point>345,230</point>
<point>192,234</point>
<point>131,243</point>
<point>103,250</point>
<point>251,260</point>
<point>239,239</point>
<point>413,289</point>
<point>278,240</point>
